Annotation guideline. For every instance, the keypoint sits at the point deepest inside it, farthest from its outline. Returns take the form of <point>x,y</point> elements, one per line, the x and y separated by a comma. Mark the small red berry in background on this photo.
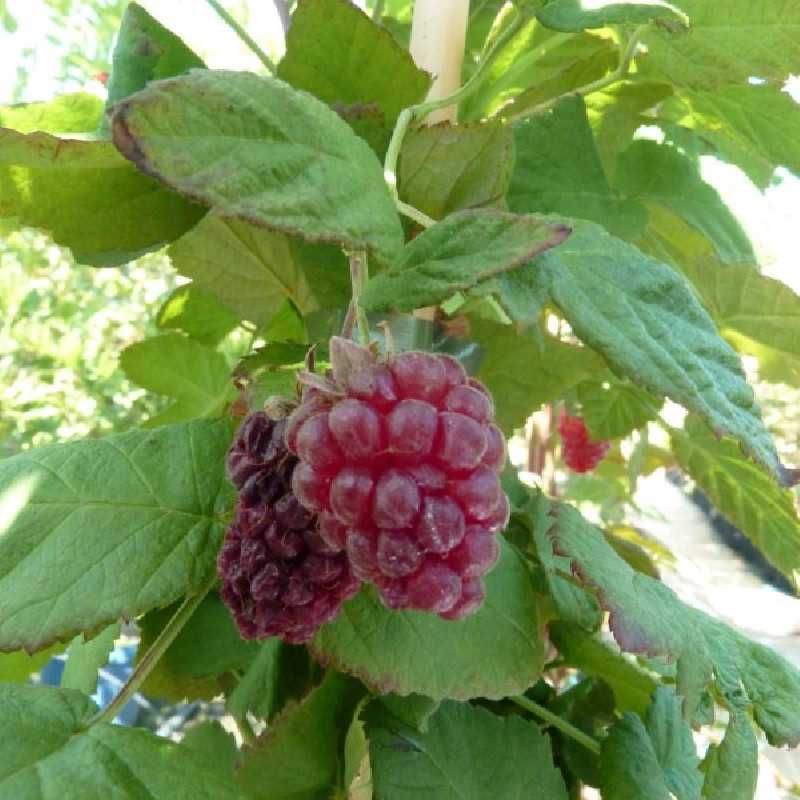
<point>580,453</point>
<point>402,457</point>
<point>283,572</point>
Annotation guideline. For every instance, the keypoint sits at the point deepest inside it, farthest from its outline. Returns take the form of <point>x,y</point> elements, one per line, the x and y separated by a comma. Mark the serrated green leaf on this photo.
<point>743,493</point>
<point>76,112</point>
<point>107,528</point>
<point>53,754</point>
<point>197,313</point>
<point>651,761</point>
<point>144,51</point>
<point>87,197</point>
<point>524,371</point>
<point>467,753</point>
<point>757,314</point>
<point>336,52</point>
<point>612,409</point>
<point>253,271</point>
<point>300,750</point>
<point>557,170</point>
<point>457,253</point>
<point>653,172</point>
<point>727,44</point>
<point>647,618</point>
<point>357,771</point>
<point>256,149</point>
<point>633,688</point>
<point>576,15</point>
<point>17,667</point>
<point>382,647</point>
<point>413,710</point>
<point>171,364</point>
<point>756,127</point>
<point>445,168</point>
<point>731,767</point>
<point>647,323</point>
<point>279,673</point>
<point>85,658</point>
<point>196,664</point>
<point>616,113</point>
<point>214,743</point>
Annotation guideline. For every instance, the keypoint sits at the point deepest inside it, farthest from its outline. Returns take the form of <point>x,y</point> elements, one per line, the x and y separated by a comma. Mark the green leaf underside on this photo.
<point>145,51</point>
<point>659,172</point>
<point>335,52</point>
<point>457,253</point>
<point>467,753</point>
<point>647,618</point>
<point>297,758</point>
<point>743,493</point>
<point>645,320</point>
<point>633,688</point>
<point>445,168</point>
<point>654,759</point>
<point>254,148</point>
<point>17,667</point>
<point>84,659</point>
<point>494,653</point>
<point>732,766</point>
<point>612,409</point>
<point>727,44</point>
<point>558,171</point>
<point>87,197</point>
<point>253,271</point>
<point>176,366</point>
<point>576,15</point>
<point>757,127</point>
<point>524,372</point>
<point>197,313</point>
<point>214,743</point>
<point>108,528</point>
<point>52,755</point>
<point>76,112</point>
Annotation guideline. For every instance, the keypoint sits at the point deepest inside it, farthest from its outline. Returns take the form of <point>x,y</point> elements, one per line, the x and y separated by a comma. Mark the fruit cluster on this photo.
<point>280,577</point>
<point>580,453</point>
<point>401,461</point>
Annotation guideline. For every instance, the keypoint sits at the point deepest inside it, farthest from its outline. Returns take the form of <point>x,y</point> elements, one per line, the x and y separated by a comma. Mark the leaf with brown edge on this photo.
<point>462,250</point>
<point>255,148</point>
<point>646,617</point>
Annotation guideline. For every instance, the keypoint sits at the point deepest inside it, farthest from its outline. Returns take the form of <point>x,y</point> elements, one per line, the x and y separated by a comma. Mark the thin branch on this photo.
<point>558,722</point>
<point>359,275</point>
<point>243,35</point>
<point>152,656</point>
<point>377,10</point>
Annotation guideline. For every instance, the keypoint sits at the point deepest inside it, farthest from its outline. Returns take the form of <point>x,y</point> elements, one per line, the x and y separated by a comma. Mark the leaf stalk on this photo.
<point>152,656</point>
<point>359,275</point>
<point>243,35</point>
<point>558,722</point>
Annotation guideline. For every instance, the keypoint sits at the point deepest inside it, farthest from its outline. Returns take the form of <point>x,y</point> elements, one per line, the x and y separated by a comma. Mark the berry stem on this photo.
<point>152,656</point>
<point>243,35</point>
<point>359,275</point>
<point>558,722</point>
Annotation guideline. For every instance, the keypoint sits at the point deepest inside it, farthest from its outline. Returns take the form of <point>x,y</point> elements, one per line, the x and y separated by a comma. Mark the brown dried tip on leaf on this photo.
<point>316,381</point>
<point>124,141</point>
<point>347,358</point>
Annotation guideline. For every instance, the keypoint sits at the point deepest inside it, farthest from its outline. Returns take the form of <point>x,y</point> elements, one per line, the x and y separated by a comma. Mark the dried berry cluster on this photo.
<point>280,576</point>
<point>580,453</point>
<point>400,460</point>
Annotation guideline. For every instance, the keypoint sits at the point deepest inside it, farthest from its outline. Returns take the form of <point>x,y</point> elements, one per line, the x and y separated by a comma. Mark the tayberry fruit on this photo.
<point>580,453</point>
<point>401,460</point>
<point>284,571</point>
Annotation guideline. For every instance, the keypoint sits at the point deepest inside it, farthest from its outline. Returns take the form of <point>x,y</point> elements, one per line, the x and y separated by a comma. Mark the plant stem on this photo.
<point>421,110</point>
<point>359,275</point>
<point>377,10</point>
<point>152,656</point>
<point>628,52</point>
<point>246,729</point>
<point>243,35</point>
<point>557,722</point>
